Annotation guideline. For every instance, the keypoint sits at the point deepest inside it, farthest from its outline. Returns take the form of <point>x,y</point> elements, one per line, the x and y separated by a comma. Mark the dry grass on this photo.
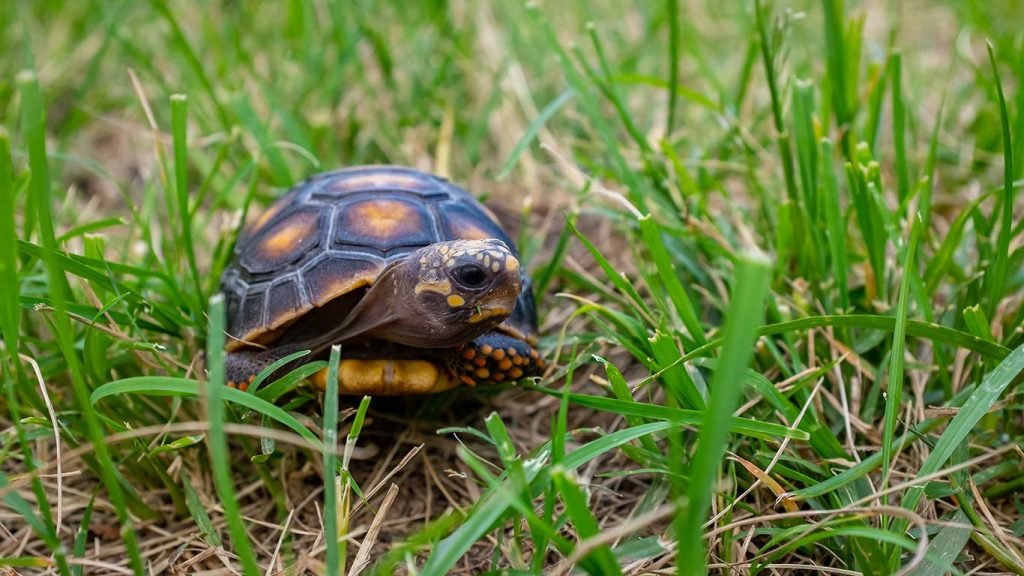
<point>287,85</point>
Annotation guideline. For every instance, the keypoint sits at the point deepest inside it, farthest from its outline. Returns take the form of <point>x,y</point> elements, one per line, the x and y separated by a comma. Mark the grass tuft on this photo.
<point>703,410</point>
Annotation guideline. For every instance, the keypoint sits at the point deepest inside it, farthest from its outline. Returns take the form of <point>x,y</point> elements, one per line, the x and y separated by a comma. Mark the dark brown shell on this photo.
<point>334,233</point>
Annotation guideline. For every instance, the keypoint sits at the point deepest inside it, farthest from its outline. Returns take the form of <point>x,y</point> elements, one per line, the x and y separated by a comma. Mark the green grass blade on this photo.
<point>977,405</point>
<point>220,455</point>
<point>651,234</point>
<point>996,278</point>
<point>578,509</point>
<point>899,129</point>
<point>12,373</point>
<point>23,509</point>
<point>746,312</point>
<point>335,560</point>
<point>494,505</point>
<point>33,120</point>
<point>945,547</point>
<point>672,9</point>
<point>835,224</point>
<point>769,53</point>
<point>679,416</point>
<point>82,536</point>
<point>169,386</point>
<point>180,41</point>
<point>835,46</point>
<point>179,135</point>
<point>532,131</point>
<point>198,511</point>
<point>894,398</point>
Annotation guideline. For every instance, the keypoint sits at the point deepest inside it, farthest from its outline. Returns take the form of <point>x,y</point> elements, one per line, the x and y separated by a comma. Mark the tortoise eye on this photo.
<point>471,275</point>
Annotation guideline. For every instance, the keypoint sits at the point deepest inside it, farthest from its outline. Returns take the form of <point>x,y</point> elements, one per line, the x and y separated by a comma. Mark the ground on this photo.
<point>777,247</point>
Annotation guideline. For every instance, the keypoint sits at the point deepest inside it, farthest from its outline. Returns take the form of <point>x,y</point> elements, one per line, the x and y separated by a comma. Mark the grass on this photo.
<point>848,403</point>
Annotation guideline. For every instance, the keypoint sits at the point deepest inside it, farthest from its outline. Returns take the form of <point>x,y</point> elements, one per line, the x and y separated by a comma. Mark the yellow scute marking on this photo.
<point>469,231</point>
<point>266,216</point>
<point>340,285</point>
<point>289,235</point>
<point>455,300</point>
<point>383,219</point>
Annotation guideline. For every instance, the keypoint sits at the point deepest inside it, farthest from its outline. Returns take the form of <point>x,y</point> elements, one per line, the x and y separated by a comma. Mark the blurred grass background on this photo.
<point>860,145</point>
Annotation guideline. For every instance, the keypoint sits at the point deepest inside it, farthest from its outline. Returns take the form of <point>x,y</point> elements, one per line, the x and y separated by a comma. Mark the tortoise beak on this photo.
<point>499,303</point>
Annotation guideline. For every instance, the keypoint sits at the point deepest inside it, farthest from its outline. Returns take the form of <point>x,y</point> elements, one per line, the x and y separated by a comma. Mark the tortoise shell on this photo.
<point>333,234</point>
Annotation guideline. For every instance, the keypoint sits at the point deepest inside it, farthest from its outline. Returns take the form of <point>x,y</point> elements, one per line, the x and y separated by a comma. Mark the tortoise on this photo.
<point>408,272</point>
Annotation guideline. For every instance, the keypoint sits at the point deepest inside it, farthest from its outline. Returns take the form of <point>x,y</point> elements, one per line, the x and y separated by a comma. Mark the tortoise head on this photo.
<point>441,295</point>
<point>463,288</point>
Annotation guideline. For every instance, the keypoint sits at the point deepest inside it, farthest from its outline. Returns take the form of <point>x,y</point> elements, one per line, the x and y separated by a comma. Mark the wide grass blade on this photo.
<point>11,369</point>
<point>996,277</point>
<point>577,508</point>
<point>220,455</point>
<point>894,398</point>
<point>945,547</point>
<point>33,121</point>
<point>335,556</point>
<point>182,387</point>
<point>967,417</point>
<point>746,312</point>
<point>836,52</point>
<point>179,133</point>
<point>835,225</point>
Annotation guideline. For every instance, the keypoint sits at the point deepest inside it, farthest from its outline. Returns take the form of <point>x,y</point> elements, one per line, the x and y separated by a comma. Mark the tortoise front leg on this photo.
<point>496,357</point>
<point>242,367</point>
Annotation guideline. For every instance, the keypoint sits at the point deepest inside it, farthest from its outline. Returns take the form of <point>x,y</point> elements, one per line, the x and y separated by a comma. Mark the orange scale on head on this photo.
<point>468,353</point>
<point>515,373</point>
<point>481,361</point>
<point>498,354</point>
<point>486,349</point>
<point>482,373</point>
<point>505,364</point>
